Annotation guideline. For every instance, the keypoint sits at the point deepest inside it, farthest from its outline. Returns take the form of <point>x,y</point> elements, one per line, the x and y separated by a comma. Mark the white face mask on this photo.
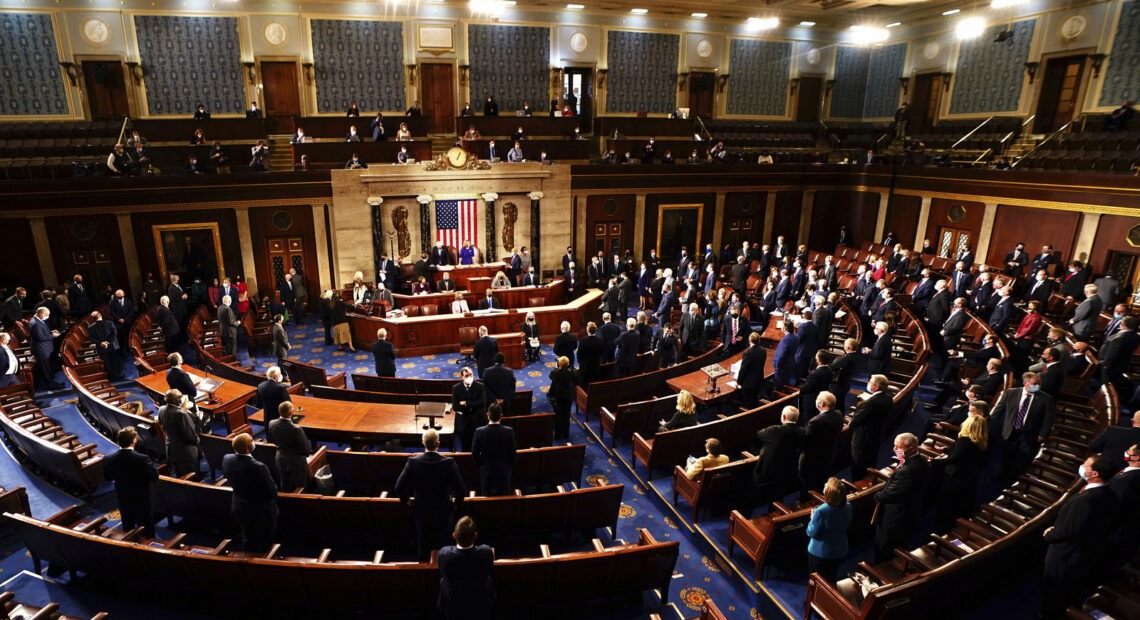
<point>468,381</point>
<point>870,388</point>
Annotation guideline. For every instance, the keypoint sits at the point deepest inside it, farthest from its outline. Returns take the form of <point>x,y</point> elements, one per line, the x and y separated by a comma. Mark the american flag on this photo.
<point>455,221</point>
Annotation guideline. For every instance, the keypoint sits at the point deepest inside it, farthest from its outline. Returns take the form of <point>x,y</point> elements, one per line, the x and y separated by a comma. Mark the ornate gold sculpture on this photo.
<point>403,237</point>
<point>510,216</point>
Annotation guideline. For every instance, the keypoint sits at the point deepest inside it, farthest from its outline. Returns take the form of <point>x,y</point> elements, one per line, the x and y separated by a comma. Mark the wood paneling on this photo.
<point>940,217</point>
<point>653,201</point>
<point>1111,236</point>
<point>902,218</point>
<point>88,245</point>
<point>621,211</point>
<point>18,263</point>
<point>744,214</point>
<point>787,219</point>
<point>143,224</point>
<point>285,222</point>
<point>1011,225</point>
<point>832,209</point>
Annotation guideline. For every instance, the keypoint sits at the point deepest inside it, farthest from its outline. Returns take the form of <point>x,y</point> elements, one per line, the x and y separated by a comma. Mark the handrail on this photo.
<point>1029,120</point>
<point>982,156</point>
<point>1043,143</point>
<point>972,132</point>
<point>122,130</point>
<point>708,133</point>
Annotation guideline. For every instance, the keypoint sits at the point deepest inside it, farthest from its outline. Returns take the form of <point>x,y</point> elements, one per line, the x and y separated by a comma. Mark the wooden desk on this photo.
<point>511,298</point>
<point>337,126</point>
<point>339,152</point>
<point>696,382</point>
<point>362,423</point>
<point>228,401</point>
<point>423,335</point>
<point>460,274</point>
<point>505,125</point>
<point>511,346</point>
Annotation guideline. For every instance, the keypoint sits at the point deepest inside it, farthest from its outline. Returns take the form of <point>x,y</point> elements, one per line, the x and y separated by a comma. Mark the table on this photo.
<point>505,125</point>
<point>462,273</point>
<point>363,423</point>
<point>696,382</point>
<point>227,401</point>
<point>373,153</point>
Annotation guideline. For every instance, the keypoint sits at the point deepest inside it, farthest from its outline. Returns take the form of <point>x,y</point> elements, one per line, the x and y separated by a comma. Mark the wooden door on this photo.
<point>282,254</point>
<point>437,96</point>
<point>925,100</point>
<point>1060,87</point>
<point>282,91</point>
<point>737,230</point>
<point>702,86</point>
<point>608,239</point>
<point>808,96</point>
<point>105,84</point>
<point>951,240</point>
<point>579,83</point>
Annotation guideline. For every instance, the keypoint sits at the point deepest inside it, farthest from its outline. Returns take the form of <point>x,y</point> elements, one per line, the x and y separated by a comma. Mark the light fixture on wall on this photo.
<point>1097,62</point>
<point>722,81</point>
<point>308,70</point>
<point>72,71</point>
<point>136,70</point>
<point>249,71</point>
<point>904,83</point>
<point>464,71</point>
<point>1031,69</point>
<point>411,73</point>
<point>828,86</point>
<point>683,80</point>
<point>602,73</point>
<point>946,77</point>
<point>793,84</point>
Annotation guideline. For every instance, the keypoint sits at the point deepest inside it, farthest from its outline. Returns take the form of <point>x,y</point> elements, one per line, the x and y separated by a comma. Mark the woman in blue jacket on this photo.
<point>827,531</point>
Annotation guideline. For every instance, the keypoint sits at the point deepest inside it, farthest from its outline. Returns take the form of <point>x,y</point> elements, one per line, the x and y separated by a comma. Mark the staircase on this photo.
<point>1023,144</point>
<point>440,142</point>
<point>280,152</point>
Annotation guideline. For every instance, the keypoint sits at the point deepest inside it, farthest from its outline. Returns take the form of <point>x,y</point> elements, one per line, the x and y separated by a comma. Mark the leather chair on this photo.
<point>429,310</point>
<point>467,338</point>
<point>411,310</point>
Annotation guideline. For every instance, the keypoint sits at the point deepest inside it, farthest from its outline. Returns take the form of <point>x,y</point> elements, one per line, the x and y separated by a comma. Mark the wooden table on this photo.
<point>696,382</point>
<point>228,401</point>
<point>363,423</point>
<point>461,273</point>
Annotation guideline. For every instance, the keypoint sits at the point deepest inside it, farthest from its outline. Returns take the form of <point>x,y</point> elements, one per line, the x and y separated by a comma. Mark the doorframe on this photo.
<point>793,101</point>
<point>308,93</point>
<point>457,94</point>
<point>685,90</point>
<point>133,85</point>
<point>943,108</point>
<point>594,87</point>
<point>1083,89</point>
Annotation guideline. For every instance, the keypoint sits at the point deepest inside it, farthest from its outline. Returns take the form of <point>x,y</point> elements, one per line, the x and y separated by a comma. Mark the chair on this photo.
<point>411,310</point>
<point>467,338</point>
<point>429,310</point>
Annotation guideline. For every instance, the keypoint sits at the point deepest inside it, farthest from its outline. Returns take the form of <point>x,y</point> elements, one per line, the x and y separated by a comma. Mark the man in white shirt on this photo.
<point>9,363</point>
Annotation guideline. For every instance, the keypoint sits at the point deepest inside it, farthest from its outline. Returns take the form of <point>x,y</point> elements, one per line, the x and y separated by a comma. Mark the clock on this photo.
<point>579,42</point>
<point>276,33</point>
<point>96,31</point>
<point>457,157</point>
<point>813,56</point>
<point>704,48</point>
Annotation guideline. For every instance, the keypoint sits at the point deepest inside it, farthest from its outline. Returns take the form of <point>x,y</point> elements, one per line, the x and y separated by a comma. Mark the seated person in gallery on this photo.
<point>352,110</point>
<point>403,134</point>
<point>219,159</point>
<point>468,254</point>
<point>377,127</point>
<point>493,153</point>
<point>490,108</point>
<point>352,136</point>
<point>567,111</point>
<point>192,165</point>
<point>526,109</point>
<point>259,156</point>
<point>500,281</point>
<point>140,159</point>
<point>543,158</point>
<point>472,133</point>
<point>694,158</point>
<point>459,306</point>
<point>519,134</point>
<point>200,114</point>
<point>415,110</point>
<point>667,158</point>
<point>303,165</point>
<point>118,162</point>
<point>421,286</point>
<point>403,156</point>
<point>300,137</point>
<point>1118,119</point>
<point>253,111</point>
<point>467,111</point>
<point>198,139</point>
<point>355,163</point>
<point>516,154</point>
<point>577,134</point>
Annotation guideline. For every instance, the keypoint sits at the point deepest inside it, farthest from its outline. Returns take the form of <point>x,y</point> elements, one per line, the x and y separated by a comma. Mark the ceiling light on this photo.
<point>807,24</point>
<point>700,15</point>
<point>639,11</point>
<point>867,35</point>
<point>1005,4</point>
<point>894,25</point>
<point>756,24</point>
<point>970,28</point>
<point>951,12</point>
<point>509,2</point>
<point>575,7</point>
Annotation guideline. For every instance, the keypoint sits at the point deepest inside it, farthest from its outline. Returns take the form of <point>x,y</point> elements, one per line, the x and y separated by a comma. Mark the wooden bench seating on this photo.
<point>10,608</point>
<point>299,372</point>
<point>15,500</point>
<point>635,417</point>
<point>44,444</point>
<point>612,392</point>
<point>715,486</point>
<point>148,343</point>
<point>520,404</point>
<point>111,419</point>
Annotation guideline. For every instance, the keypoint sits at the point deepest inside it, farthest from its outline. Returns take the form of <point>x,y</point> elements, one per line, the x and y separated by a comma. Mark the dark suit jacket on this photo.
<point>965,462</point>
<point>609,333</point>
<point>1001,314</point>
<point>867,426</point>
<point>902,495</point>
<point>1116,352</point>
<point>432,480</point>
<point>879,360</point>
<point>271,394</point>
<point>742,332</point>
<point>13,310</point>
<point>292,447</point>
<point>177,304</point>
<point>564,346</point>
<point>178,379</point>
<point>165,319</point>
<point>500,383</point>
<point>80,300</point>
<point>818,448</point>
<point>476,408</point>
<point>1039,291</point>
<point>181,435</point>
<point>42,340</point>
<point>281,339</point>
<point>1115,440</point>
<point>1052,379</point>
<point>227,322</point>
<point>120,310</point>
<point>1038,419</point>
<point>465,586</point>
<point>385,356</point>
<point>628,345</point>
<point>255,494</point>
<point>1077,544</point>
<point>1084,318</point>
<point>691,333</point>
<point>784,359</point>
<point>485,350</point>
<point>589,356</point>
<point>494,449</point>
<point>953,327</point>
<point>817,381</point>
<point>133,473</point>
<point>752,370</point>
<point>779,455</point>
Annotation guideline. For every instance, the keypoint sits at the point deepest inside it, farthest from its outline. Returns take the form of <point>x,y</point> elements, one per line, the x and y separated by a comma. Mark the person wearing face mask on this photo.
<point>469,404</point>
<point>1016,261</point>
<point>120,311</point>
<point>735,334</point>
<point>1116,439</point>
<point>962,468</point>
<point>1115,354</point>
<point>821,434</point>
<point>1126,487</point>
<point>1077,543</point>
<point>900,501</point>
<point>1026,415</point>
<point>1039,289</point>
<point>866,425</point>
<point>1074,280</point>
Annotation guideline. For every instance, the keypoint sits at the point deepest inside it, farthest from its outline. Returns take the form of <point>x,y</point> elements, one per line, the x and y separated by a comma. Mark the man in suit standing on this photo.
<point>281,344</point>
<point>1016,261</point>
<point>628,344</point>
<point>500,383</point>
<point>384,354</point>
<point>181,430</point>
<point>692,332</point>
<point>665,308</point>
<point>1084,318</point>
<point>784,359</point>
<point>735,333</point>
<point>1026,415</point>
<point>133,474</point>
<point>808,334</point>
<point>179,379</point>
<point>879,354</point>
<point>485,349</point>
<point>440,256</point>
<point>750,378</point>
<point>178,297</point>
<point>78,297</point>
<point>466,590</point>
<point>817,382</point>
<point>293,449</point>
<point>254,504</point>
<point>120,311</point>
<point>1116,439</point>
<point>866,425</point>
<point>609,333</point>
<point>566,343</point>
<point>775,474</point>
<point>953,325</point>
<point>468,403</point>
<point>1053,374</point>
<point>43,343</point>
<point>900,501</point>
<point>1077,543</point>
<point>740,274</point>
<point>818,447</point>
<point>1002,311</point>
<point>9,363</point>
<point>843,369</point>
<point>164,318</point>
<point>300,292</point>
<point>589,354</point>
<point>573,281</point>
<point>1115,356</point>
<point>288,295</point>
<point>271,393</point>
<point>494,450</point>
<point>105,337</point>
<point>386,271</point>
<point>430,484</point>
<point>1039,289</point>
<point>14,307</point>
<point>228,325</point>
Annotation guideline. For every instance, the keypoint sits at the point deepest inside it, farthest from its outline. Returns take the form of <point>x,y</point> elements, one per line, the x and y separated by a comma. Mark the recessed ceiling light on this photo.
<point>951,12</point>
<point>575,7</point>
<point>639,11</point>
<point>1005,4</point>
<point>508,2</point>
<point>970,28</point>
<point>867,35</point>
<point>700,15</point>
<point>762,23</point>
<point>894,25</point>
<point>807,24</point>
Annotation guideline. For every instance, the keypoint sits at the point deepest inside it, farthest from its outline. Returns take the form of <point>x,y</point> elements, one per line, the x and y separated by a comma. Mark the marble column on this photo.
<point>43,251</point>
<point>921,234</point>
<point>127,237</point>
<point>248,262</point>
<point>425,220</point>
<point>379,243</point>
<point>718,223</point>
<point>983,246</point>
<point>490,254</point>
<point>535,229</point>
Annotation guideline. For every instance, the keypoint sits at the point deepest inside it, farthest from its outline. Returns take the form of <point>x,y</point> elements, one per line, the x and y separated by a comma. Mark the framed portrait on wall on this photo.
<point>189,250</point>
<point>679,225</point>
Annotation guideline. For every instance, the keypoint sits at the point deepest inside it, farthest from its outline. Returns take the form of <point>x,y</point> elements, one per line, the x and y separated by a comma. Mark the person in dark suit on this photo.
<point>589,354</point>
<point>440,255</point>
<point>430,484</point>
<point>466,590</point>
<point>9,363</point>
<point>271,393</point>
<point>121,310</point>
<point>1039,289</point>
<point>784,359</point>
<point>1116,439</point>
<point>808,334</point>
<point>1085,316</point>
<point>1053,374</point>
<point>866,424</point>
<point>1026,416</point>
<point>776,472</point>
<point>566,343</point>
<point>228,325</point>
<point>384,354</point>
<point>14,307</point>
<point>78,297</point>
<point>665,346</point>
<point>821,432</point>
<point>288,294</point>
<point>469,404</point>
<point>1016,261</point>
<point>105,337</point>
<point>900,501</point>
<point>1115,355</point>
<point>1002,310</point>
<point>254,503</point>
<point>879,354</point>
<point>485,349</point>
<point>751,377</point>
<point>281,344</point>
<point>178,298</point>
<point>692,332</point>
<point>562,396</point>
<point>43,343</point>
<point>1077,543</point>
<point>952,327</point>
<point>735,332</point>
<point>164,317</point>
<point>1126,487</point>
<point>179,379</point>
<point>818,381</point>
<point>494,453</point>
<point>133,474</point>
<point>962,468</point>
<point>293,449</point>
<point>181,431</point>
<point>843,370</point>
<point>500,383</point>
<point>628,345</point>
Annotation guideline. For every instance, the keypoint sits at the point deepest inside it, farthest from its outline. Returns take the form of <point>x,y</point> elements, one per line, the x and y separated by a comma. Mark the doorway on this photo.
<point>437,96</point>
<point>1125,267</point>
<point>1060,88</point>
<point>925,102</point>
<point>105,83</point>
<point>283,254</point>
<point>608,238</point>
<point>702,89</point>
<point>578,93</point>
<point>951,241</point>
<point>809,98</point>
<point>282,94</point>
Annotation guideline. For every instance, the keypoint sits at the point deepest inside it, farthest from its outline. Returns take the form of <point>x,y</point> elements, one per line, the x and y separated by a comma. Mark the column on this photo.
<point>718,223</point>
<point>923,221</point>
<point>127,237</point>
<point>245,237</point>
<point>380,243</point>
<point>769,218</point>
<point>983,244</point>
<point>806,207</point>
<point>1083,248</point>
<point>43,251</point>
<point>535,230</point>
<point>639,249</point>
<point>489,252</point>
<point>881,219</point>
<point>425,221</point>
<point>320,239</point>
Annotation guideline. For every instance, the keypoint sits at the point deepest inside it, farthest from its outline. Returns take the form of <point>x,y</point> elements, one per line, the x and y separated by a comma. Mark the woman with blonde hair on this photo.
<point>962,470</point>
<point>827,530</point>
<point>501,281</point>
<point>459,306</point>
<point>561,395</point>
<point>684,416</point>
<point>530,337</point>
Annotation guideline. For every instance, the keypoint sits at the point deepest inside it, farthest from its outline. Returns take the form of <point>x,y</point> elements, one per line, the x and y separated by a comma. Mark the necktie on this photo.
<point>1111,327</point>
<point>947,322</point>
<point>1022,411</point>
<point>733,329</point>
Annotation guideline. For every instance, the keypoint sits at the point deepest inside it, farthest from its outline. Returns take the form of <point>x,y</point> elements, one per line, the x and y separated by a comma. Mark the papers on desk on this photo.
<point>839,314</point>
<point>489,311</point>
<point>735,370</point>
<point>395,314</point>
<point>731,384</point>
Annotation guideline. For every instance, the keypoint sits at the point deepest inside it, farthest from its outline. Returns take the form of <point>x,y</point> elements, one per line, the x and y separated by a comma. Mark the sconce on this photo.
<point>794,83</point>
<point>136,70</point>
<point>249,71</point>
<point>682,80</point>
<point>1097,61</point>
<point>72,71</point>
<point>828,86</point>
<point>464,71</point>
<point>946,77</point>
<point>1031,69</point>
<point>411,74</point>
<point>721,82</point>
<point>308,70</point>
<point>904,82</point>
<point>555,77</point>
<point>602,77</point>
